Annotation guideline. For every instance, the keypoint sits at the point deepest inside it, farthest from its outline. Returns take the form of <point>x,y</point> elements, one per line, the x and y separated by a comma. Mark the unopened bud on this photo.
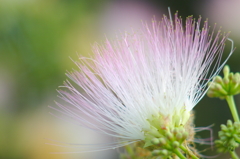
<point>226,70</point>
<point>218,79</point>
<point>175,131</point>
<point>169,136</point>
<point>179,136</point>
<point>228,134</point>
<point>224,128</point>
<point>210,94</point>
<point>237,139</point>
<point>155,141</point>
<point>156,152</point>
<point>181,130</point>
<point>236,144</point>
<point>235,136</point>
<point>235,80</point>
<point>221,133</point>
<point>162,141</point>
<point>229,123</point>
<point>223,138</point>
<point>236,125</point>
<point>220,89</point>
<point>212,86</point>
<point>225,80</point>
<point>230,76</point>
<point>237,77</point>
<point>175,144</point>
<point>164,152</point>
<point>218,142</point>
<point>230,129</point>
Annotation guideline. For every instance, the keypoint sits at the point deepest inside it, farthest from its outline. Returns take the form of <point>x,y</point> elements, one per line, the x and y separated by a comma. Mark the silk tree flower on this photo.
<point>144,84</point>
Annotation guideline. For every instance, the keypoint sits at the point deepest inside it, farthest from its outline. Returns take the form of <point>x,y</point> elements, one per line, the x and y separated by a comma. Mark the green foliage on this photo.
<point>31,39</point>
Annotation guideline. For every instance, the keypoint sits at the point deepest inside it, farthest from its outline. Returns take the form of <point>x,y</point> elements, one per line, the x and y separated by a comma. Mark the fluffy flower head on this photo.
<point>144,81</point>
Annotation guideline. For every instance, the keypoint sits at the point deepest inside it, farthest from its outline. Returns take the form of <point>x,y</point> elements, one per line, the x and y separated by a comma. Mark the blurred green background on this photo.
<point>37,39</point>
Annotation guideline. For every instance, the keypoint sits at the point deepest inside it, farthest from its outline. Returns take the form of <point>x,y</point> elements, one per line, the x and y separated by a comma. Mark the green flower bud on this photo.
<point>221,133</point>
<point>181,130</point>
<point>169,136</point>
<point>236,138</point>
<point>162,141</point>
<point>179,136</point>
<point>226,70</point>
<point>175,144</point>
<point>228,134</point>
<point>236,125</point>
<point>230,129</point>
<point>220,89</point>
<point>164,152</point>
<point>219,142</point>
<point>225,81</point>
<point>210,94</point>
<point>236,78</point>
<point>229,123</point>
<point>155,141</point>
<point>223,87</point>
<point>236,144</point>
<point>175,131</point>
<point>156,152</point>
<point>230,76</point>
<point>224,128</point>
<point>223,138</point>
<point>218,79</point>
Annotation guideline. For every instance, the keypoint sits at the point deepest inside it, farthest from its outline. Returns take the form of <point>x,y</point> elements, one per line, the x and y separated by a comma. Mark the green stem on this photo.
<point>233,108</point>
<point>179,154</point>
<point>234,155</point>
<point>188,152</point>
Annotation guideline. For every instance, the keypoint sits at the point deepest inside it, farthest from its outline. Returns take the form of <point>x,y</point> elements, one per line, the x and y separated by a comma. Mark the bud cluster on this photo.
<point>171,141</point>
<point>226,86</point>
<point>229,137</point>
